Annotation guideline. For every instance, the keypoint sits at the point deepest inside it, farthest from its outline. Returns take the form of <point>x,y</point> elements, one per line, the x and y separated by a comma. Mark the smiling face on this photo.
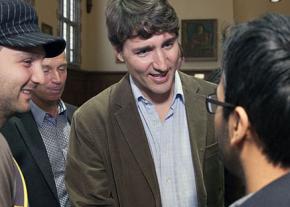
<point>55,74</point>
<point>20,73</point>
<point>152,64</point>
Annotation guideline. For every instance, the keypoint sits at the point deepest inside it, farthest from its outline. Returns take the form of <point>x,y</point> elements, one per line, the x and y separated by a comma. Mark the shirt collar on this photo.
<point>139,96</point>
<point>241,200</point>
<point>39,114</point>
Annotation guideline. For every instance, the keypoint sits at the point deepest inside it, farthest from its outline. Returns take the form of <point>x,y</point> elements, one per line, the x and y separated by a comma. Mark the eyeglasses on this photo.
<point>212,103</point>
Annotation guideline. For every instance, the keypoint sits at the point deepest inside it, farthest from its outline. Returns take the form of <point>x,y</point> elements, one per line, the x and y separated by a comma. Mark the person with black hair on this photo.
<point>252,109</point>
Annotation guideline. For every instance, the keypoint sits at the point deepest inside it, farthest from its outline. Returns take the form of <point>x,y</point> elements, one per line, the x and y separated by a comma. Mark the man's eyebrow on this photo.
<point>142,48</point>
<point>62,65</point>
<point>46,65</point>
<point>171,39</point>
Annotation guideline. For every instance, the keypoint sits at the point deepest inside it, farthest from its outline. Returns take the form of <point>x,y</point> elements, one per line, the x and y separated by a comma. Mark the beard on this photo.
<point>6,110</point>
<point>229,154</point>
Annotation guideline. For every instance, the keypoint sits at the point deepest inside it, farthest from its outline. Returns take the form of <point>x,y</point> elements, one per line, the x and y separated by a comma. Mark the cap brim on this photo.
<point>53,46</point>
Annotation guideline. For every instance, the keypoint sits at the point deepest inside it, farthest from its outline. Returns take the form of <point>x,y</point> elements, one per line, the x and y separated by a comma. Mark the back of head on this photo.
<point>256,72</point>
<point>130,18</point>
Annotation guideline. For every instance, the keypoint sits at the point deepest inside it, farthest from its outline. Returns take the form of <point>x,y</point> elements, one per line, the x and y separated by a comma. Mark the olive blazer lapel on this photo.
<point>127,116</point>
<point>197,126</point>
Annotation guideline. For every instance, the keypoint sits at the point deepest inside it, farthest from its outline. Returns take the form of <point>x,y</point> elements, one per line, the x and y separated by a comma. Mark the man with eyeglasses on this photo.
<point>252,109</point>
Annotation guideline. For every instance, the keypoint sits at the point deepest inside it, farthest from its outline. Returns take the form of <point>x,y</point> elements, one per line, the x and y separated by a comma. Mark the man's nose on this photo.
<point>159,60</point>
<point>37,75</point>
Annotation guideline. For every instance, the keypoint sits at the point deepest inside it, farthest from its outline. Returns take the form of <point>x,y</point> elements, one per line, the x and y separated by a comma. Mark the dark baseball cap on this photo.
<point>19,29</point>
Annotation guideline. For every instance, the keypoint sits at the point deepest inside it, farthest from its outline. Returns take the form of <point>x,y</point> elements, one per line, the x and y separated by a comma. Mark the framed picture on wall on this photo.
<point>199,39</point>
<point>45,28</point>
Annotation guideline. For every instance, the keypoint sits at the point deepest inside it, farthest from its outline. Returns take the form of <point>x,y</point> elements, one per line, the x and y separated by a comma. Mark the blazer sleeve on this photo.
<point>86,178</point>
<point>213,168</point>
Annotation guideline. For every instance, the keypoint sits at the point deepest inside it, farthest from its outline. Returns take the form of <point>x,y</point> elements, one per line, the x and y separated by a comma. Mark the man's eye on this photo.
<point>45,69</point>
<point>62,69</point>
<point>168,45</point>
<point>27,62</point>
<point>142,53</point>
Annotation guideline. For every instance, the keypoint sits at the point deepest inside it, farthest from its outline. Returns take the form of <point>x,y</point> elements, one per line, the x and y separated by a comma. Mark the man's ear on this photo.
<point>119,55</point>
<point>239,126</point>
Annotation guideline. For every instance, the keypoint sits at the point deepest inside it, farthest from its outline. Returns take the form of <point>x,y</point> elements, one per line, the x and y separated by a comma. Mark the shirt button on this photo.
<point>168,180</point>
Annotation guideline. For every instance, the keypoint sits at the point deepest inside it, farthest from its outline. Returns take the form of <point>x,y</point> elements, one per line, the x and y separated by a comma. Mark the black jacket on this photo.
<point>28,149</point>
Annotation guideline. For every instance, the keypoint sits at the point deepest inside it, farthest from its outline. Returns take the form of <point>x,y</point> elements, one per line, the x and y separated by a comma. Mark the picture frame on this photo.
<point>199,39</point>
<point>45,28</point>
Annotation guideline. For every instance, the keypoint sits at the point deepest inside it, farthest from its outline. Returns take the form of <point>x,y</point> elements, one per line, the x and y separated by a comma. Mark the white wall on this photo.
<point>47,13</point>
<point>245,10</point>
<point>96,51</point>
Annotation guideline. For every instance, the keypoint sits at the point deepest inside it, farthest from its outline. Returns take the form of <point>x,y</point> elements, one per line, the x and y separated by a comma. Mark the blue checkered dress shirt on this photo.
<point>55,134</point>
<point>170,148</point>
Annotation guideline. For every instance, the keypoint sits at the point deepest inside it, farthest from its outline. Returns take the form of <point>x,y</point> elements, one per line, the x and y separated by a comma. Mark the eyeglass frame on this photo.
<point>213,101</point>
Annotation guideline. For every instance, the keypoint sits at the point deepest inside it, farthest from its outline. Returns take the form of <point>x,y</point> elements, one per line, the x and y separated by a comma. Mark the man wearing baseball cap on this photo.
<point>22,49</point>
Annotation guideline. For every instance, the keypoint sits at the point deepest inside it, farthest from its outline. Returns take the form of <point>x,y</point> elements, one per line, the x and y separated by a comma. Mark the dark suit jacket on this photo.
<point>275,194</point>
<point>109,162</point>
<point>28,149</point>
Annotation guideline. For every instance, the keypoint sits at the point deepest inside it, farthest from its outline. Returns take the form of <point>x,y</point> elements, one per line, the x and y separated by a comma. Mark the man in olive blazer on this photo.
<point>109,162</point>
<point>29,151</point>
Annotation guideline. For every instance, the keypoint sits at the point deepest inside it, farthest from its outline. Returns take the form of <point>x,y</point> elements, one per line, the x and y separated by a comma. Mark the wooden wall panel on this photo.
<point>82,85</point>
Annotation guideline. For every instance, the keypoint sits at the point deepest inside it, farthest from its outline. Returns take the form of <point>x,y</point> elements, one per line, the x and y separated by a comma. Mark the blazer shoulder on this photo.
<point>96,107</point>
<point>16,127</point>
<point>104,100</point>
<point>16,118</point>
<point>71,107</point>
<point>70,111</point>
<point>202,86</point>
